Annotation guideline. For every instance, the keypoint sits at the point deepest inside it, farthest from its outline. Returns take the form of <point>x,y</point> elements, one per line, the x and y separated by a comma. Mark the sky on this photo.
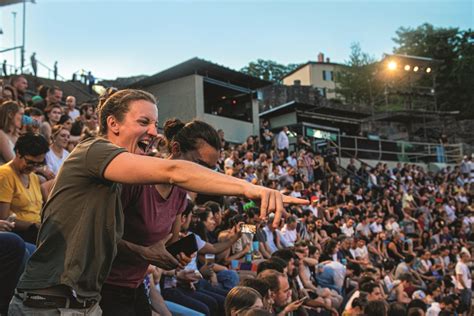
<point>127,38</point>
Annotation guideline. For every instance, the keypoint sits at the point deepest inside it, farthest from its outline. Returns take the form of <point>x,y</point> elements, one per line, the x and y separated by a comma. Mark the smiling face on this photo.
<point>62,138</point>
<point>138,127</point>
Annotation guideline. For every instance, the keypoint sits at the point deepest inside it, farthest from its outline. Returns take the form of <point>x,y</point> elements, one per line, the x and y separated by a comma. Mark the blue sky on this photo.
<point>124,38</point>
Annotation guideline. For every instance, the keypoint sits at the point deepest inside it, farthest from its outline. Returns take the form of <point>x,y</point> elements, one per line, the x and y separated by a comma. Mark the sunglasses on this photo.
<point>32,163</point>
<point>204,164</point>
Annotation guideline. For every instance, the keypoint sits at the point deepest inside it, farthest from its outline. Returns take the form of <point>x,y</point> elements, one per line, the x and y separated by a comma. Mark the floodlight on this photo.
<point>407,67</point>
<point>428,70</point>
<point>415,69</point>
<point>392,65</point>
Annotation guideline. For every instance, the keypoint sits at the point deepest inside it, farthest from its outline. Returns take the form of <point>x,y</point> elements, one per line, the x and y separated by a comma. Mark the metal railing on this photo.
<point>402,151</point>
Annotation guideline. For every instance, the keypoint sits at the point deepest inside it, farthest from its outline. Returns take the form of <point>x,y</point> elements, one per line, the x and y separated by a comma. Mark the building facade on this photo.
<point>199,89</point>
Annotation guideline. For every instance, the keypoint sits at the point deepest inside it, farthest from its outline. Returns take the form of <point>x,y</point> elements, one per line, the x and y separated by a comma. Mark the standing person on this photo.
<point>266,136</point>
<point>90,81</point>
<point>4,67</point>
<point>464,281</point>
<point>283,143</point>
<point>159,207</point>
<point>34,64</point>
<point>71,108</point>
<point>55,70</point>
<point>83,221</point>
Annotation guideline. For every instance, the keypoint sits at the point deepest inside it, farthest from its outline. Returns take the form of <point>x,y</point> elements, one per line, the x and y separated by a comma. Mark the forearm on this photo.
<point>220,246</point>
<point>187,175</point>
<point>22,225</point>
<point>130,249</point>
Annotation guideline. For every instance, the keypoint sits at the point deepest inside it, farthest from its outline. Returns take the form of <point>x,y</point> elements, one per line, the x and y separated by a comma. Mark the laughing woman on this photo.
<point>83,219</point>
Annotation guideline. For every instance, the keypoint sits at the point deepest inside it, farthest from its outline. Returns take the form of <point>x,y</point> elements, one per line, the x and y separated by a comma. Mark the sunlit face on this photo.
<point>57,96</point>
<point>375,295</point>
<point>17,119</point>
<point>54,115</point>
<point>138,127</point>
<point>283,295</point>
<point>21,85</point>
<point>210,222</point>
<point>93,122</point>
<point>62,138</point>
<point>71,102</point>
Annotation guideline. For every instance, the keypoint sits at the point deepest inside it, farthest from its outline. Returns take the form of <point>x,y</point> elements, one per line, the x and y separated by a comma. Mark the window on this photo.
<point>227,102</point>
<point>328,75</point>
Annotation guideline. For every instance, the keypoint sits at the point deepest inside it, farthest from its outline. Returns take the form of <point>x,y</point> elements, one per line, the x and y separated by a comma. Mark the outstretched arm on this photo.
<point>131,168</point>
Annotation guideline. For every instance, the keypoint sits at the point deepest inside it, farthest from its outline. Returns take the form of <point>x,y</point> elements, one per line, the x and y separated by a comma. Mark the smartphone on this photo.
<point>249,229</point>
<point>11,218</point>
<point>187,245</point>
<point>304,299</point>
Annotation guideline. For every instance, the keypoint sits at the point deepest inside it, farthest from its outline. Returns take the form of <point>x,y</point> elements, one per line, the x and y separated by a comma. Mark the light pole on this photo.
<point>14,38</point>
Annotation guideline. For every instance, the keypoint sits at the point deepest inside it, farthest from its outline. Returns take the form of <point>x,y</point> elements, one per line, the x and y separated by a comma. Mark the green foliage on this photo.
<point>455,49</point>
<point>355,83</point>
<point>268,69</point>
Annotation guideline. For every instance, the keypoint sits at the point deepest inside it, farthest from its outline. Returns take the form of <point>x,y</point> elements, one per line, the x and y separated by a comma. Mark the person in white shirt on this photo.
<point>288,233</point>
<point>464,281</point>
<point>292,161</point>
<point>348,228</point>
<point>283,143</point>
<point>71,108</point>
<point>58,153</point>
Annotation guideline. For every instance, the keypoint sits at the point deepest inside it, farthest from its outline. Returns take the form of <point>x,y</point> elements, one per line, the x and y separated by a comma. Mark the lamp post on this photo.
<point>14,38</point>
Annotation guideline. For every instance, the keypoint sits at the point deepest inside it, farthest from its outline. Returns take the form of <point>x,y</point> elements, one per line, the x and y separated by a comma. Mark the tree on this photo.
<point>455,49</point>
<point>355,83</point>
<point>268,69</point>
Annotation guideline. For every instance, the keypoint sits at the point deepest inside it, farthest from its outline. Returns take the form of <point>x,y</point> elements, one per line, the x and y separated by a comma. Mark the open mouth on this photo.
<point>144,145</point>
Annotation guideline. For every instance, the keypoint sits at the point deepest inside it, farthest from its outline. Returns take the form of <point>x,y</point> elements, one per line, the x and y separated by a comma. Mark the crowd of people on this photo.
<point>372,240</point>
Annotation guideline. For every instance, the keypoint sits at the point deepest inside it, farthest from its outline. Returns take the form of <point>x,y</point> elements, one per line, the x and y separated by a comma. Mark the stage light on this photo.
<point>407,67</point>
<point>392,65</point>
<point>428,70</point>
<point>415,69</point>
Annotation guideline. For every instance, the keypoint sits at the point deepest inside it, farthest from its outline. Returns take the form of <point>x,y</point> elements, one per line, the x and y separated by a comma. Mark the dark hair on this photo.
<point>271,264</point>
<point>397,309</point>
<point>198,227</point>
<point>258,285</point>
<point>213,206</point>
<point>417,303</point>
<point>368,287</point>
<point>189,208</point>
<point>271,278</point>
<point>84,106</point>
<point>32,111</point>
<point>240,297</point>
<point>376,308</point>
<point>31,144</point>
<point>187,135</point>
<point>64,118</point>
<point>117,105</point>
<point>285,254</point>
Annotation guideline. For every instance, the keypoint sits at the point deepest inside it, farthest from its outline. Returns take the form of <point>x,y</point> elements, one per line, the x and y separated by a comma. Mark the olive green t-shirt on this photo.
<point>82,223</point>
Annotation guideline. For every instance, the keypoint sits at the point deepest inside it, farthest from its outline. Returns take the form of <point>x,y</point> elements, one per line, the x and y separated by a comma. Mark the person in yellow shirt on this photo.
<point>20,188</point>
